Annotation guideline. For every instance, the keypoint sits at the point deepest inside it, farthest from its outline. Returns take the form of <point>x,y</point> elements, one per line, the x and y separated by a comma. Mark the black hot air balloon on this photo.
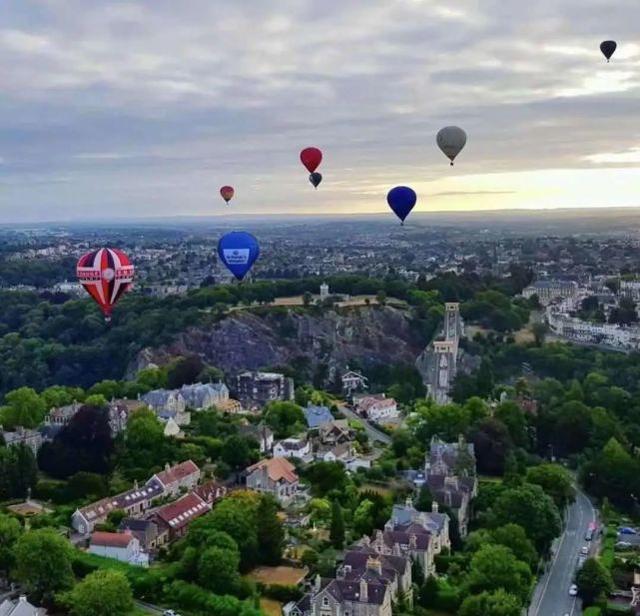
<point>315,178</point>
<point>608,48</point>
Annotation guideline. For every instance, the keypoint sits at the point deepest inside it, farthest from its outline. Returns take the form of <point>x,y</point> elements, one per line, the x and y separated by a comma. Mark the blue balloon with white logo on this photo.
<point>238,251</point>
<point>401,200</point>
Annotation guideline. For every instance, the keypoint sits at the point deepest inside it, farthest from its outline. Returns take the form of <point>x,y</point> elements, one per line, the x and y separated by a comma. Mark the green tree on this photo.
<point>539,331</point>
<point>102,593</point>
<point>336,533</point>
<point>498,603</point>
<point>555,480</point>
<point>593,581</point>
<point>494,567</point>
<point>24,408</point>
<point>218,570</point>
<point>284,418</point>
<point>270,531</point>
<point>236,452</point>
<point>363,517</point>
<point>325,477</point>
<point>43,562</point>
<point>10,531</point>
<point>513,537</point>
<point>529,507</point>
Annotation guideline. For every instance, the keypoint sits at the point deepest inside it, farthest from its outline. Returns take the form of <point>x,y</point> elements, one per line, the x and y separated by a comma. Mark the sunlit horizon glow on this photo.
<point>114,110</point>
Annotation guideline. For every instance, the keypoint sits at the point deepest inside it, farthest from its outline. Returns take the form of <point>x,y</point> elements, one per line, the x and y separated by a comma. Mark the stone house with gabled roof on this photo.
<point>179,478</point>
<point>176,517</point>
<point>275,476</point>
<point>134,502</point>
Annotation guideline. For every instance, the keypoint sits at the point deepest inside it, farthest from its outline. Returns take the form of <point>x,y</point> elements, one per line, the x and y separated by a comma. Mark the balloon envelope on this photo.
<point>401,200</point>
<point>238,251</point>
<point>106,274</point>
<point>451,140</point>
<point>608,48</point>
<point>227,193</point>
<point>311,158</point>
<point>315,178</point>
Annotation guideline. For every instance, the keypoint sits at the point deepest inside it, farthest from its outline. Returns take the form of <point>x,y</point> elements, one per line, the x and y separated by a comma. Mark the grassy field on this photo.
<point>284,576</point>
<point>270,607</point>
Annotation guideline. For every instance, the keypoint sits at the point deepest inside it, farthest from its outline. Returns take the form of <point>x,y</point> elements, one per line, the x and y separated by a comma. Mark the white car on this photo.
<point>585,550</point>
<point>170,613</point>
<point>573,591</point>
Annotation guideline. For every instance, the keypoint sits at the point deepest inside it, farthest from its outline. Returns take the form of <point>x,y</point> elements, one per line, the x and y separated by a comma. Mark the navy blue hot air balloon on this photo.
<point>401,200</point>
<point>238,251</point>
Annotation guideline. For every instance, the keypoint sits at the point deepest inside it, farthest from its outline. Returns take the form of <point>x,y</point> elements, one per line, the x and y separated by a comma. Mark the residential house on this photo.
<point>335,432</point>
<point>407,519</point>
<point>174,480</point>
<point>119,413</point>
<point>255,389</point>
<point>161,400</point>
<point>23,436</point>
<point>450,471</point>
<point>181,418</point>
<point>353,381</point>
<point>231,406</point>
<point>211,491</point>
<point>294,447</point>
<point>336,453</point>
<point>134,502</point>
<point>147,532</point>
<point>119,546</point>
<point>378,409</point>
<point>316,416</point>
<point>62,415</point>
<point>275,476</point>
<point>261,433</point>
<point>204,395</point>
<point>176,517</point>
<point>21,607</point>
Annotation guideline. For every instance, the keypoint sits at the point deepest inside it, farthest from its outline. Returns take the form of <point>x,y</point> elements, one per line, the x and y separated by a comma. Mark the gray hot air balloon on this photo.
<point>451,140</point>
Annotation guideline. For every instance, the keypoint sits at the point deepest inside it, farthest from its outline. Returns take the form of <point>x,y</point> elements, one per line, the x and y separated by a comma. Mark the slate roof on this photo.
<point>101,508</point>
<point>317,415</point>
<point>345,590</point>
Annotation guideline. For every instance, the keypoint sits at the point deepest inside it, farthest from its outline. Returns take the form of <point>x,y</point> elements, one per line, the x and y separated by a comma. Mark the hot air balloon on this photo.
<point>106,274</point>
<point>608,48</point>
<point>238,251</point>
<point>227,193</point>
<point>451,140</point>
<point>401,200</point>
<point>311,158</point>
<point>315,178</point>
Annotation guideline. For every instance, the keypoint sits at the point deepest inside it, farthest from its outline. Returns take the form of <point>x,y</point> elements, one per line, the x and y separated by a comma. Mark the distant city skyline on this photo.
<point>112,110</point>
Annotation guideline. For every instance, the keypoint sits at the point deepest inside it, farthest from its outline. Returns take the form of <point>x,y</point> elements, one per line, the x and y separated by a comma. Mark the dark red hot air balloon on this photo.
<point>227,193</point>
<point>106,274</point>
<point>311,158</point>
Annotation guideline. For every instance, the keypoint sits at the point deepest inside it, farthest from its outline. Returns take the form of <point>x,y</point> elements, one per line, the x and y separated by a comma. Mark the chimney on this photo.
<point>434,507</point>
<point>135,484</point>
<point>409,501</point>
<point>364,591</point>
<point>317,583</point>
<point>166,466</point>
<point>23,598</point>
<point>413,541</point>
<point>460,441</point>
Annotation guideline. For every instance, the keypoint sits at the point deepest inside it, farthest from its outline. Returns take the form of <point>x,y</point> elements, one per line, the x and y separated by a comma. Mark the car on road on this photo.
<point>581,561</point>
<point>573,591</point>
<point>170,613</point>
<point>585,550</point>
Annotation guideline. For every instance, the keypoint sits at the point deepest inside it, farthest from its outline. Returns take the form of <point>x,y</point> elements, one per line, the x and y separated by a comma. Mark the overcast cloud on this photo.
<point>115,109</point>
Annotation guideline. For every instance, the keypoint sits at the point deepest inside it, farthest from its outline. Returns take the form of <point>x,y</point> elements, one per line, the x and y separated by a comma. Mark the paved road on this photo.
<point>373,433</point>
<point>551,597</point>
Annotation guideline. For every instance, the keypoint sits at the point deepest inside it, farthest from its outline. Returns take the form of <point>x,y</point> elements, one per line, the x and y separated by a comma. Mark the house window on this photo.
<point>325,602</point>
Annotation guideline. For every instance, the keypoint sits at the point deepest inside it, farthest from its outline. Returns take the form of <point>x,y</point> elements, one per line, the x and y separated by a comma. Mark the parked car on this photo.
<point>589,535</point>
<point>627,530</point>
<point>581,561</point>
<point>170,613</point>
<point>573,591</point>
<point>585,550</point>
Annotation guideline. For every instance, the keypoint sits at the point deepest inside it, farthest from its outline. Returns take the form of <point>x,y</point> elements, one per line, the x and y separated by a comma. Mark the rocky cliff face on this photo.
<point>252,340</point>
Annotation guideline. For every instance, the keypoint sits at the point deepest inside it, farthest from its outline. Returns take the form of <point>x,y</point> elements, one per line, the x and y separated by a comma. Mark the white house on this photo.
<point>379,409</point>
<point>293,447</point>
<point>21,607</point>
<point>119,546</point>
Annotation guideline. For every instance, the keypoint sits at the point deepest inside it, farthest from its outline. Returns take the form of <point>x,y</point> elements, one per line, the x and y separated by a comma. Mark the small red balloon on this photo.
<point>311,158</point>
<point>227,193</point>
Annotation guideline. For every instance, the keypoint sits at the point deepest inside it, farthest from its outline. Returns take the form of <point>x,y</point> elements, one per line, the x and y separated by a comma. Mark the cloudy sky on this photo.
<point>112,109</point>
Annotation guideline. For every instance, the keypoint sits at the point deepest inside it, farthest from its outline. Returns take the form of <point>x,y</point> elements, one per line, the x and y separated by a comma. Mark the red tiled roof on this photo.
<point>112,540</point>
<point>183,511</point>
<point>211,491</point>
<point>277,469</point>
<point>178,472</point>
